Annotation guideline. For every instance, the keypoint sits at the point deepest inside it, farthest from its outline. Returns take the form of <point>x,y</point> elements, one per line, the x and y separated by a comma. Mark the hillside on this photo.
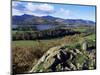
<point>35,20</point>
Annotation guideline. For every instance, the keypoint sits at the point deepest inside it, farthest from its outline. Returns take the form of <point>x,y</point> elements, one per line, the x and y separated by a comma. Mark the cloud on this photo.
<point>20,8</point>
<point>17,12</point>
<point>46,8</point>
<point>32,9</point>
<point>15,4</point>
<point>62,13</point>
<point>65,12</point>
<point>42,8</point>
<point>36,14</point>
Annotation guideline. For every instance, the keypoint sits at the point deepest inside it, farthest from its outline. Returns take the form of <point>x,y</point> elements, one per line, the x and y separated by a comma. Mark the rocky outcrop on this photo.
<point>61,58</point>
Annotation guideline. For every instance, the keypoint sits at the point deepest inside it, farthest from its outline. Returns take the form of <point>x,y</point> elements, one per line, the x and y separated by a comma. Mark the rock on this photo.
<point>47,59</point>
<point>84,45</point>
<point>52,58</point>
<point>61,59</point>
<point>73,67</point>
<point>78,51</point>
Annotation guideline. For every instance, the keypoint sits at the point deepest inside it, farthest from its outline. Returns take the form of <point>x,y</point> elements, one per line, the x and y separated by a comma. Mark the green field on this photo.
<point>91,37</point>
<point>59,41</point>
<point>31,42</point>
<point>80,29</point>
<point>23,43</point>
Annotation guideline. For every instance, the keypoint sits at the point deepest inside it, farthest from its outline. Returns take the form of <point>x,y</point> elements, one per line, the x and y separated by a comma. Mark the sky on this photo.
<point>65,11</point>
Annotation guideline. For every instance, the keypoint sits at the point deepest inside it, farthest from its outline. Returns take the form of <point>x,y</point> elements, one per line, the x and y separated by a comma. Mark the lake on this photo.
<point>40,27</point>
<point>45,27</point>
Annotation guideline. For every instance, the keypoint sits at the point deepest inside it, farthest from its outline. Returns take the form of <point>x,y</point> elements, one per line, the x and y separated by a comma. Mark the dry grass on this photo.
<point>26,57</point>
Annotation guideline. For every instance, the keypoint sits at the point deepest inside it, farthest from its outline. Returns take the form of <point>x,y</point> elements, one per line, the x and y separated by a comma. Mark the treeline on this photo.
<point>46,34</point>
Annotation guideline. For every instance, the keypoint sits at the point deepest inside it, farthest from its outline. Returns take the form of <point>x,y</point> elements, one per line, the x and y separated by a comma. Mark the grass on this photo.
<point>80,59</point>
<point>80,29</point>
<point>56,41</point>
<point>30,43</point>
<point>91,37</point>
<point>27,52</point>
<point>23,43</point>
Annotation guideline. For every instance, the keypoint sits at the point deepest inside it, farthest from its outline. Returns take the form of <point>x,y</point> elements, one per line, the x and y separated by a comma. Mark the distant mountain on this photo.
<point>31,19</point>
<point>49,17</point>
<point>78,22</point>
<point>17,20</point>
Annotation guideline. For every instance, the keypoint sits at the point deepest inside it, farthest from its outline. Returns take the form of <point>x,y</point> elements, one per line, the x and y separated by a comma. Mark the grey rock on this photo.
<point>62,59</point>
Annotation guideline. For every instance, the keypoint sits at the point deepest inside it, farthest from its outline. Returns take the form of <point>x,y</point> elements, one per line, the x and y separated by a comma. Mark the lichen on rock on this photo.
<point>62,58</point>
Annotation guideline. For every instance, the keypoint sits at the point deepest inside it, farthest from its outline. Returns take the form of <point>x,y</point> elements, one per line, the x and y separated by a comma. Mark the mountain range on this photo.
<point>36,20</point>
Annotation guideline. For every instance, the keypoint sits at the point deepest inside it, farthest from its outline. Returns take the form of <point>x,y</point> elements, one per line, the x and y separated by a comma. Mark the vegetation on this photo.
<point>46,34</point>
<point>28,46</point>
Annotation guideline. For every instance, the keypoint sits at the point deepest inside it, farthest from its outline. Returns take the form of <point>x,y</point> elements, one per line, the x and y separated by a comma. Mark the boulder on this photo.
<point>60,58</point>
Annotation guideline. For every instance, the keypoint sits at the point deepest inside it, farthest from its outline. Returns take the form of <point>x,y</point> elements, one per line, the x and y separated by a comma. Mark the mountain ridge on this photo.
<point>31,19</point>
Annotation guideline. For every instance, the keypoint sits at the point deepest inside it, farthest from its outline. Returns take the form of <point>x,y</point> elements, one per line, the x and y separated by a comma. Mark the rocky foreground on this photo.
<point>63,58</point>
